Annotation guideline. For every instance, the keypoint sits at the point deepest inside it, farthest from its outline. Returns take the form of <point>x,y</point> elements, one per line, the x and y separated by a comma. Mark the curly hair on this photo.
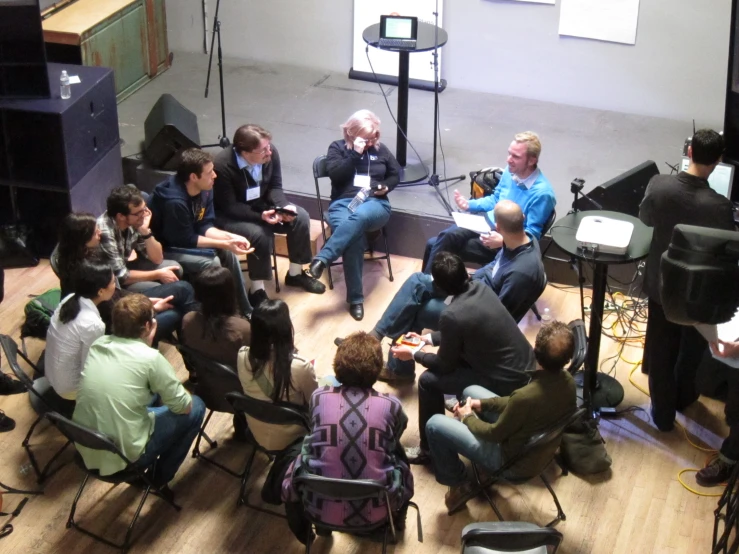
<point>554,346</point>
<point>358,360</point>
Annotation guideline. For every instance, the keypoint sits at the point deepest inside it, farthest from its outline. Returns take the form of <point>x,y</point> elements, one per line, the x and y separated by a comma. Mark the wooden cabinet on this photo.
<point>129,36</point>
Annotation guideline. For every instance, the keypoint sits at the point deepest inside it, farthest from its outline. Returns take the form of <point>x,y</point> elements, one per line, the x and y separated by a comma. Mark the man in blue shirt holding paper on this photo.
<point>523,183</point>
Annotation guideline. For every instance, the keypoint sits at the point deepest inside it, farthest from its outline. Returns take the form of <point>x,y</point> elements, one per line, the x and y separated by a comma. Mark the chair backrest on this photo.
<point>84,436</point>
<point>11,353</point>
<point>215,379</point>
<point>508,536</point>
<point>547,436</point>
<point>320,171</point>
<point>340,489</point>
<point>549,223</point>
<point>577,326</point>
<point>279,413</point>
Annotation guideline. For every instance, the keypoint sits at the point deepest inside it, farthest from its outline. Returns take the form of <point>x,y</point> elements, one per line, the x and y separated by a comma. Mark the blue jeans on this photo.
<point>171,440</point>
<point>464,243</point>
<point>183,301</point>
<point>448,438</point>
<point>348,239</point>
<point>193,264</point>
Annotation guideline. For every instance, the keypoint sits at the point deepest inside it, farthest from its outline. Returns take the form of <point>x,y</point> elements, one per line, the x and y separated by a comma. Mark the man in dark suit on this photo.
<point>249,201</point>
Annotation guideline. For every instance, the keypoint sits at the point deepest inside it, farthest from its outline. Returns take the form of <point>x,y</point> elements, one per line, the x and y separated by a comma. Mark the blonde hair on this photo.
<point>362,120</point>
<point>533,144</point>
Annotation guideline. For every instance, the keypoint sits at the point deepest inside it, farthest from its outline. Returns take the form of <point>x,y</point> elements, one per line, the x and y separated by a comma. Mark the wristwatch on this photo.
<point>145,237</point>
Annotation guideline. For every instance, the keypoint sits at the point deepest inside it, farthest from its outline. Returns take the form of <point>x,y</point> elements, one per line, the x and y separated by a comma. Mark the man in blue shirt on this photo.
<point>523,183</point>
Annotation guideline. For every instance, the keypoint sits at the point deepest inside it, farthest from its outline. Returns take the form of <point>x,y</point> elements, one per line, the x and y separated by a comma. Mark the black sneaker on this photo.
<point>715,473</point>
<point>305,282</point>
<point>10,386</point>
<point>257,297</point>
<point>6,423</point>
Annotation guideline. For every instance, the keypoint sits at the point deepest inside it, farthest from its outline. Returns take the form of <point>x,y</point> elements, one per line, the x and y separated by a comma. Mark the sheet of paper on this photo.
<point>537,1</point>
<point>609,20</point>
<point>74,80</point>
<point>473,222</point>
<point>727,332</point>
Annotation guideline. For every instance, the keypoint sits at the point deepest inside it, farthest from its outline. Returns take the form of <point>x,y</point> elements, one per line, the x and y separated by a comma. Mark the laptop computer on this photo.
<point>398,32</point>
<point>721,180</point>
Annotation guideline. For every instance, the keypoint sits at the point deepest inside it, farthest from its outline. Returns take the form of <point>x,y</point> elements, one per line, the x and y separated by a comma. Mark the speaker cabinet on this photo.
<point>731,112</point>
<point>169,129</point>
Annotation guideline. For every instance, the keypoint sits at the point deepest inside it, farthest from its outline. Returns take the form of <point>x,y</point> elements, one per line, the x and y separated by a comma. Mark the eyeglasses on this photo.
<point>139,213</point>
<point>264,150</point>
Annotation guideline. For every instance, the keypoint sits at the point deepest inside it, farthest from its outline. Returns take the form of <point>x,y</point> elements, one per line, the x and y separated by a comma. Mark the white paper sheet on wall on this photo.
<point>610,20</point>
<point>538,1</point>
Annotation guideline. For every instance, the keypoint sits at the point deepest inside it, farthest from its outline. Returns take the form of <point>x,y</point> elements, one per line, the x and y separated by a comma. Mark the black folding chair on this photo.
<point>215,380</point>
<point>544,231</point>
<point>245,265</point>
<point>350,490</point>
<point>89,438</point>
<point>43,400</point>
<point>577,326</point>
<point>319,172</point>
<point>537,441</point>
<point>494,537</point>
<point>272,414</point>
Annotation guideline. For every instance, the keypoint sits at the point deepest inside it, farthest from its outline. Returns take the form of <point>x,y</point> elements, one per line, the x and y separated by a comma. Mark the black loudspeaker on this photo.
<point>169,129</point>
<point>621,194</point>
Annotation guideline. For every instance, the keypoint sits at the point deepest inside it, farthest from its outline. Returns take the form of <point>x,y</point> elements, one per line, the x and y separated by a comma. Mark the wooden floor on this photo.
<point>639,506</point>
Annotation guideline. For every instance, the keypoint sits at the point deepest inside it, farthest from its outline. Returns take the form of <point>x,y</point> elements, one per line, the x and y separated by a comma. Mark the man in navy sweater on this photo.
<point>183,220</point>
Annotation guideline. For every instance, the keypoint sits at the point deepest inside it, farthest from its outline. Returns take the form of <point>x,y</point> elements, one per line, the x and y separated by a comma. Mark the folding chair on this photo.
<point>43,400</point>
<point>272,414</point>
<point>352,490</point>
<point>215,380</point>
<point>547,436</point>
<point>89,438</point>
<point>245,265</point>
<point>495,537</point>
<point>319,172</point>
<point>577,326</point>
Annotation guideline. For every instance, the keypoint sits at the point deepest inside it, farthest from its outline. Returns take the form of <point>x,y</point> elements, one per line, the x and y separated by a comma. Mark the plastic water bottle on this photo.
<point>64,86</point>
<point>546,316</point>
<point>359,198</point>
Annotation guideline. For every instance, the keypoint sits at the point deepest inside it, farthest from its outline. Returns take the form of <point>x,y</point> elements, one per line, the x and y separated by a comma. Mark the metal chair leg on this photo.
<point>560,513</point>
<point>484,489</point>
<point>274,265</point>
<point>387,253</point>
<point>201,434</point>
<point>535,311</point>
<point>45,473</point>
<point>70,519</point>
<point>127,539</point>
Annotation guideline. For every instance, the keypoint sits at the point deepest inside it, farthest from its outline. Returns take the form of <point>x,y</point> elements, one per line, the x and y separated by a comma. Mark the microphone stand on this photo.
<point>434,180</point>
<point>223,142</point>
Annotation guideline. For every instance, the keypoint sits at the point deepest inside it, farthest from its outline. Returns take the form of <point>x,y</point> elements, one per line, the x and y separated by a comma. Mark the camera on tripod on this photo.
<point>577,185</point>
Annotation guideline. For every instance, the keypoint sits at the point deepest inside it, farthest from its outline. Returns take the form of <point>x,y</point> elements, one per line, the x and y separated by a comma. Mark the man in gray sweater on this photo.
<point>479,344</point>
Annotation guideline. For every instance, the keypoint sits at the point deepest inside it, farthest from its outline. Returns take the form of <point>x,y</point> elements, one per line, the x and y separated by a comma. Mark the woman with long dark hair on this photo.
<point>79,237</point>
<point>75,325</point>
<point>269,370</point>
<point>216,330</point>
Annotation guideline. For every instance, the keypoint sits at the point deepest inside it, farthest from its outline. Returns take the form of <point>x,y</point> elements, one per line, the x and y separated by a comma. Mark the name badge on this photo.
<point>362,181</point>
<point>252,193</point>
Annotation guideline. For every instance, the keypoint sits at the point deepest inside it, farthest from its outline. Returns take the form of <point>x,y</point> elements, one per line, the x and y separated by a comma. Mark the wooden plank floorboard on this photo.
<point>638,506</point>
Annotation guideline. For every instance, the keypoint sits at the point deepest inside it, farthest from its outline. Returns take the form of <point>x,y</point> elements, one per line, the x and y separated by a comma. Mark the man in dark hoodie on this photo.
<point>183,220</point>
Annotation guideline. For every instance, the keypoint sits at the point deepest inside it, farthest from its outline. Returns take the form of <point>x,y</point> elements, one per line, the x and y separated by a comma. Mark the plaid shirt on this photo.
<point>117,245</point>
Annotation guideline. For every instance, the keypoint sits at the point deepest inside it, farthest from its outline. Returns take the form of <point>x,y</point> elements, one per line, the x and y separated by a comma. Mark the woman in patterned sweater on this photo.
<point>355,435</point>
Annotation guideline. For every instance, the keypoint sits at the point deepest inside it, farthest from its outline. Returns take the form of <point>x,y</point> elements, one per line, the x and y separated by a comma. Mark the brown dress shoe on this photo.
<point>457,497</point>
<point>392,378</point>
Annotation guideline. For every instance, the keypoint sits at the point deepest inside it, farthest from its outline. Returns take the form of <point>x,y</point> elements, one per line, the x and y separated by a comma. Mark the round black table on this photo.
<point>600,389</point>
<point>425,41</point>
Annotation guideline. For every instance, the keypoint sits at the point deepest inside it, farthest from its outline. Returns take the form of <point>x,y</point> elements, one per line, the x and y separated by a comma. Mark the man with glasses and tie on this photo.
<point>522,182</point>
<point>249,200</point>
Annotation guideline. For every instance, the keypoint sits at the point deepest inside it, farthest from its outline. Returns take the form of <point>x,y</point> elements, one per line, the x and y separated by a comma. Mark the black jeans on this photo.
<point>672,354</point>
<point>261,236</point>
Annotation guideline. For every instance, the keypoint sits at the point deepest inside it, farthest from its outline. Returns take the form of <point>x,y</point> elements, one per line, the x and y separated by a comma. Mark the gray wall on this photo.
<point>677,69</point>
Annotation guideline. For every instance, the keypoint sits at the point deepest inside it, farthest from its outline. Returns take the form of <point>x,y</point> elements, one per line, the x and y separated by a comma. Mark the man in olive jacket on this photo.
<point>490,429</point>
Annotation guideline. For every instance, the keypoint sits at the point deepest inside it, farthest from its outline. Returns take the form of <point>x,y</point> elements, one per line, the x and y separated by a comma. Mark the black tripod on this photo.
<point>223,142</point>
<point>434,180</point>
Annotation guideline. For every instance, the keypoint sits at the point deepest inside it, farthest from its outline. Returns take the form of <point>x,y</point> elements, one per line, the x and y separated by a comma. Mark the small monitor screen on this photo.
<point>399,27</point>
<point>720,180</point>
